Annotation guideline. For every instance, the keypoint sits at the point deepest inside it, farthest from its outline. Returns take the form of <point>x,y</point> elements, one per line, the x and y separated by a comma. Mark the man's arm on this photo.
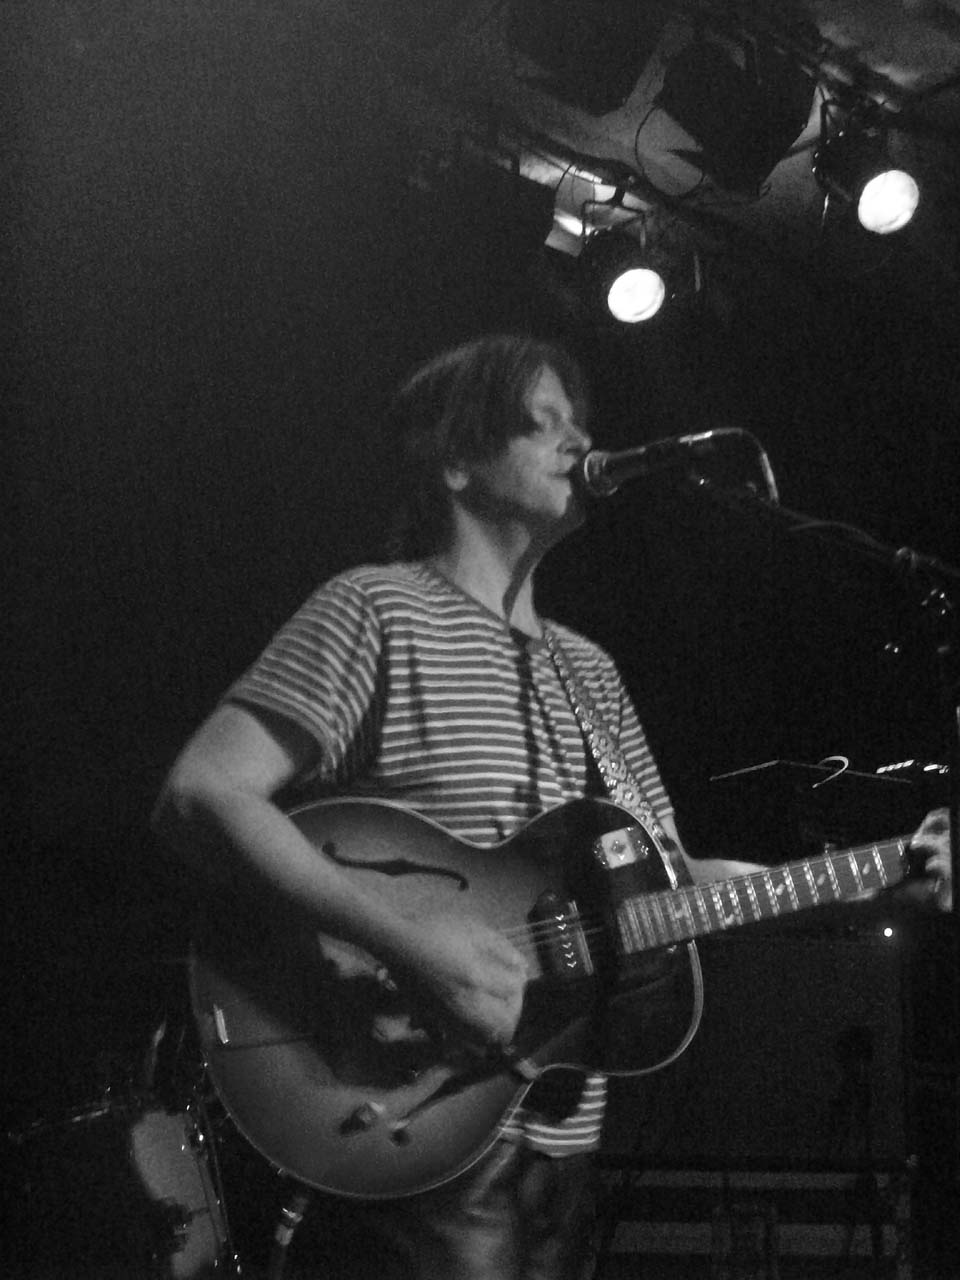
<point>217,810</point>
<point>703,870</point>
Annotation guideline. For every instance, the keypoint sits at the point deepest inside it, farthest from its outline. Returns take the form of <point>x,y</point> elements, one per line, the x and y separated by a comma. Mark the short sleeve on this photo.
<point>321,671</point>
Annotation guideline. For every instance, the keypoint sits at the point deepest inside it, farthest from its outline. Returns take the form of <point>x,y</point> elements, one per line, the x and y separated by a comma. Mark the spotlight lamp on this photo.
<point>623,276</point>
<point>852,163</point>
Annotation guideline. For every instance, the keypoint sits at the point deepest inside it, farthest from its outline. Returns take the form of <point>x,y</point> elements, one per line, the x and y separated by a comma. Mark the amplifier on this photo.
<point>799,1060</point>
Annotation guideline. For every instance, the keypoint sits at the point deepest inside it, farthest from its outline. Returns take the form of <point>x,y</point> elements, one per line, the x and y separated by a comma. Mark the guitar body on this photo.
<point>338,1079</point>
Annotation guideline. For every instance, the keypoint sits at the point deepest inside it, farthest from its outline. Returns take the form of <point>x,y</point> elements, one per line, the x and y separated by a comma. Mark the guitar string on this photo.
<point>646,905</point>
<point>874,856</point>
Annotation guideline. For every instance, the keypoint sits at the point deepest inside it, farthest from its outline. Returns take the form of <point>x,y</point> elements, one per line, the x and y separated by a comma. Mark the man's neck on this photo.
<point>497,573</point>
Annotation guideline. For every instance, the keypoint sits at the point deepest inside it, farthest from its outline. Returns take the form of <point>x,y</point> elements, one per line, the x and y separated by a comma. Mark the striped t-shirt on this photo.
<point>415,692</point>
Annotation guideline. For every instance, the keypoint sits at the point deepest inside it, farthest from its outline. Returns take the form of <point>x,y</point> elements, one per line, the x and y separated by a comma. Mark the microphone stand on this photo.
<point>927,570</point>
<point>935,577</point>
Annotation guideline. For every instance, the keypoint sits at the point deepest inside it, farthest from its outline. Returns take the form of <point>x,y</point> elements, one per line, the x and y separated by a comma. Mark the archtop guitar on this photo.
<point>335,1075</point>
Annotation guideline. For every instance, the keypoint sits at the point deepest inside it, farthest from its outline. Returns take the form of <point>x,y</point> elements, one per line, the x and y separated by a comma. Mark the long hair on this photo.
<point>462,406</point>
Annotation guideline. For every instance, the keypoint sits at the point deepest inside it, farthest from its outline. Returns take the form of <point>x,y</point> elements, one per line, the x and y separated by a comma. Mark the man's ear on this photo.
<point>456,478</point>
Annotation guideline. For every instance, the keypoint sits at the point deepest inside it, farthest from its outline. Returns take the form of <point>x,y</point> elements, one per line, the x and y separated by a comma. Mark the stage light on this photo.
<point>623,275</point>
<point>636,294</point>
<point>888,202</point>
<point>853,164</point>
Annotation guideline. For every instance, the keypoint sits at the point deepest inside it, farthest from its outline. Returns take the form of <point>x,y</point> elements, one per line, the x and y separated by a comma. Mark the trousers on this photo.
<point>515,1215</point>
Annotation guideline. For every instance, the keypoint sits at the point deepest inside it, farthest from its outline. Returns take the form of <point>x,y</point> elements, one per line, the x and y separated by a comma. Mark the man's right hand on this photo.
<point>468,978</point>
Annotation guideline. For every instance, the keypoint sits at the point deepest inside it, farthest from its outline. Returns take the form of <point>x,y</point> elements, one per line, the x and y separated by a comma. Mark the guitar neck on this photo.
<point>651,920</point>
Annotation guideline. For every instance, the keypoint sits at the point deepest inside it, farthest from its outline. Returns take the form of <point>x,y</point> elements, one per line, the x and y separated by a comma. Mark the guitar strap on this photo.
<point>622,787</point>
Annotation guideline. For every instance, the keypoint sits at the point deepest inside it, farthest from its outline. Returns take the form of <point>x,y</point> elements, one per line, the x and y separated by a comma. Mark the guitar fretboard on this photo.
<point>660,919</point>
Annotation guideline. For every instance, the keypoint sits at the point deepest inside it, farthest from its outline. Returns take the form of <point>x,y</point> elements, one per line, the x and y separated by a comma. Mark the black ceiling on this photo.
<point>706,114</point>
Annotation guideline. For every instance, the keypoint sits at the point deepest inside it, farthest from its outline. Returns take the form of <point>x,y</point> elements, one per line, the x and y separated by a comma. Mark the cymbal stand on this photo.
<point>295,1205</point>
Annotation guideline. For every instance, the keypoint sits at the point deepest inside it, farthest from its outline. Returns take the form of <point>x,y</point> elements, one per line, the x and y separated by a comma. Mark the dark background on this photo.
<point>217,285</point>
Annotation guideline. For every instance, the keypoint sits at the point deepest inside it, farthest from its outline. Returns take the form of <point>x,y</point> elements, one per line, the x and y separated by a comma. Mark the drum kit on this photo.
<point>128,1184</point>
<point>134,1182</point>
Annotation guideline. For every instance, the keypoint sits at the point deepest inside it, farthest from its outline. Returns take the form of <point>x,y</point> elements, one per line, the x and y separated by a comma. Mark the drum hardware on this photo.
<point>162,1209</point>
<point>177,1168</point>
<point>103,1107</point>
<point>296,1203</point>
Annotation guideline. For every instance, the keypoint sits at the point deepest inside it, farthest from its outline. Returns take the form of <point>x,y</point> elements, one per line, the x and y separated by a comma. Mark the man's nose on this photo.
<point>577,440</point>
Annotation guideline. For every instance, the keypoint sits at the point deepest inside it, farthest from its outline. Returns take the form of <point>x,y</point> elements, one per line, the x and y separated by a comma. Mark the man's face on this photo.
<point>529,481</point>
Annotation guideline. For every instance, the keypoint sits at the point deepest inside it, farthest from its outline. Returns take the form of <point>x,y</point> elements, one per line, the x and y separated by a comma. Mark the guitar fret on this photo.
<point>712,903</point>
<point>722,920</point>
<point>631,937</point>
<point>735,902</point>
<point>637,925</point>
<point>697,892</point>
<point>867,868</point>
<point>660,920</point>
<point>811,883</point>
<point>832,873</point>
<point>752,895</point>
<point>791,885</point>
<point>673,916</point>
<point>810,890</point>
<point>878,863</point>
<point>687,915</point>
<point>640,923</point>
<point>690,927</point>
<point>771,893</point>
<point>898,849</point>
<point>649,926</point>
<point>854,867</point>
<point>846,880</point>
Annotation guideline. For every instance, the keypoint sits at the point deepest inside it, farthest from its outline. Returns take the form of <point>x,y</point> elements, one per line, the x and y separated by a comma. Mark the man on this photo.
<point>429,681</point>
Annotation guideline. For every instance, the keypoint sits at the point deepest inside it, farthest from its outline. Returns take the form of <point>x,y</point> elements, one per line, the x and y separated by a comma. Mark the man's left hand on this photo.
<point>932,841</point>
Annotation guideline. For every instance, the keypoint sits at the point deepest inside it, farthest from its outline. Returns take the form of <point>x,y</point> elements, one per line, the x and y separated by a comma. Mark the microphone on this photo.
<point>603,473</point>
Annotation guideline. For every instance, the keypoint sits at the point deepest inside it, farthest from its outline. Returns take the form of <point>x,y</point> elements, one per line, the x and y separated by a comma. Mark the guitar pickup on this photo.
<point>561,944</point>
